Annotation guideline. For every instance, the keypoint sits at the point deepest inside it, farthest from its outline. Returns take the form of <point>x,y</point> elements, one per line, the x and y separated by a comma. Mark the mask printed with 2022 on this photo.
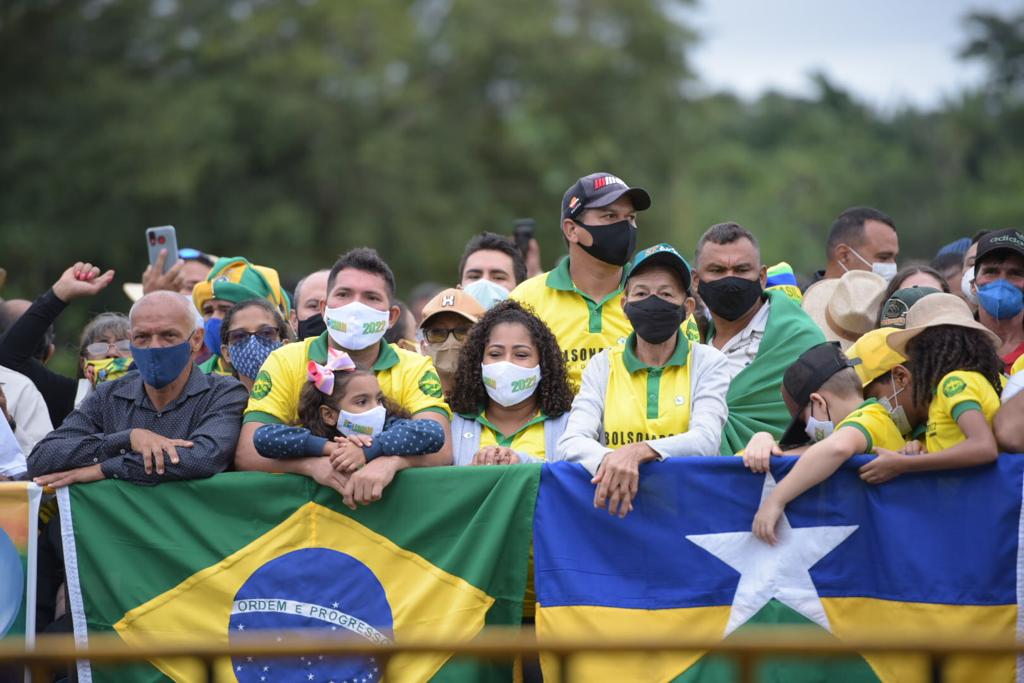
<point>356,326</point>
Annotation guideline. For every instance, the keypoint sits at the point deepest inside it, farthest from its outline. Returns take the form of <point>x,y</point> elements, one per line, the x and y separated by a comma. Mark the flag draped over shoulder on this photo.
<point>755,403</point>
<point>19,512</point>
<point>925,553</point>
<point>442,554</point>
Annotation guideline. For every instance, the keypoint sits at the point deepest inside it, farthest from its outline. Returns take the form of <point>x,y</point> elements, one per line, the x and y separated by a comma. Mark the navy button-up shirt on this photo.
<point>208,412</point>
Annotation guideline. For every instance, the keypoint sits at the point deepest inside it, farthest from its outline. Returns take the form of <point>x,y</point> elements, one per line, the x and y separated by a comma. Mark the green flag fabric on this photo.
<point>754,400</point>
<point>443,554</point>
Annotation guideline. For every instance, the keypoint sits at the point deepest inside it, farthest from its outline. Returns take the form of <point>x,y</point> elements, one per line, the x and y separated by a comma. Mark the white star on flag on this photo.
<point>779,571</point>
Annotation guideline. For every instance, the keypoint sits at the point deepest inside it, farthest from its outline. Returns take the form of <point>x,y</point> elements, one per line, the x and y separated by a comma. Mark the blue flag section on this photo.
<point>920,554</point>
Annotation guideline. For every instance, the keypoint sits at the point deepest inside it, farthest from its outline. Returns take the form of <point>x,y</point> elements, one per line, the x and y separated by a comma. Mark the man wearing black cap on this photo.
<point>580,300</point>
<point>999,281</point>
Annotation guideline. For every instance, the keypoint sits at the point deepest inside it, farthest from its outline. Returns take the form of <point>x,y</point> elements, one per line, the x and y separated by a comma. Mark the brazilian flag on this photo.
<point>443,554</point>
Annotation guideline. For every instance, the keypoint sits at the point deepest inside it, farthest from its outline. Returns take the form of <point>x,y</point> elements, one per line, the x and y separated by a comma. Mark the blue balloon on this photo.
<point>12,585</point>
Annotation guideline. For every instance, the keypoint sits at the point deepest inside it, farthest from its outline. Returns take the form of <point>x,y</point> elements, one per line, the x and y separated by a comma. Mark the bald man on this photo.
<point>166,421</point>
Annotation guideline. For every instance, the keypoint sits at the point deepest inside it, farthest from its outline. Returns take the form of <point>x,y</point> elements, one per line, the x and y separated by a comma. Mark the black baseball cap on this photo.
<point>806,375</point>
<point>600,189</point>
<point>1010,239</point>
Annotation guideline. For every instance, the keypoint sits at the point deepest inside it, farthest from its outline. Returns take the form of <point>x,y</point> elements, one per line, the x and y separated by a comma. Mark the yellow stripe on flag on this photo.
<point>870,617</point>
<point>426,601</point>
<point>610,622</point>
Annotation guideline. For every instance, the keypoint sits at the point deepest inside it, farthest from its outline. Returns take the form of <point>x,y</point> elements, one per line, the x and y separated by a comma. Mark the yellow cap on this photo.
<point>875,355</point>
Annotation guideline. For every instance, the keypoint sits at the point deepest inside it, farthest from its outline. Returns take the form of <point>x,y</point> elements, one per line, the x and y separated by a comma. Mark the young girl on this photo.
<point>954,385</point>
<point>345,417</point>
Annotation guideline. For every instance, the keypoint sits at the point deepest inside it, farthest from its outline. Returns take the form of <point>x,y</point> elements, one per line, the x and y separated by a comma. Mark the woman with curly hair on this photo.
<point>656,396</point>
<point>954,389</point>
<point>510,394</point>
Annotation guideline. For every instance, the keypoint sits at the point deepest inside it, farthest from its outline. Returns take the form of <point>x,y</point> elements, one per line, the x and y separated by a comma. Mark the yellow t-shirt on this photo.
<point>582,326</point>
<point>958,392</point>
<point>529,439</point>
<point>874,422</point>
<point>407,378</point>
<point>643,403</point>
<point>1017,366</point>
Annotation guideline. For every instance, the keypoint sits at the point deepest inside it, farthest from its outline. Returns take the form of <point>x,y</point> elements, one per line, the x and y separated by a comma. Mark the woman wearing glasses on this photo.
<point>510,396</point>
<point>446,320</point>
<point>103,353</point>
<point>251,330</point>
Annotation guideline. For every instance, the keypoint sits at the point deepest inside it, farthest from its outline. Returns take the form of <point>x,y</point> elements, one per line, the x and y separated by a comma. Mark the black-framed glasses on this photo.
<point>439,335</point>
<point>121,347</point>
<point>265,332</point>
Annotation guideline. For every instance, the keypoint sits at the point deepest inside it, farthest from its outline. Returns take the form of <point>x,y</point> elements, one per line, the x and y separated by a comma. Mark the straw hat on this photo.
<point>874,354</point>
<point>847,307</point>
<point>937,309</point>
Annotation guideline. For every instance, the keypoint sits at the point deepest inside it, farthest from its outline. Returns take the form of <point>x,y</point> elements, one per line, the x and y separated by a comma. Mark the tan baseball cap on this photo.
<point>847,307</point>
<point>453,301</point>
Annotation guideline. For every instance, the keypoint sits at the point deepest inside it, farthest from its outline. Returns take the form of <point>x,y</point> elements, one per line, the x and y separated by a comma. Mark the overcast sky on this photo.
<point>890,52</point>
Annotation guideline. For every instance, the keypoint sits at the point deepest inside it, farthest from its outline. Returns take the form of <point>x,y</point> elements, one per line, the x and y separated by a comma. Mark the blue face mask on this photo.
<point>159,366</point>
<point>1000,299</point>
<point>212,338</point>
<point>248,356</point>
<point>486,292</point>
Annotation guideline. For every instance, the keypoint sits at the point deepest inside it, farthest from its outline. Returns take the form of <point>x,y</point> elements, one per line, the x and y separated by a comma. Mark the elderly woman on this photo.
<point>657,396</point>
<point>510,396</point>
<point>104,352</point>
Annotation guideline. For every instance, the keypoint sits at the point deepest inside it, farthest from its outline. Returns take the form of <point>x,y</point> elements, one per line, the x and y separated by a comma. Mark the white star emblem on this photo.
<point>238,668</point>
<point>334,605</point>
<point>266,668</point>
<point>241,627</point>
<point>310,677</point>
<point>777,571</point>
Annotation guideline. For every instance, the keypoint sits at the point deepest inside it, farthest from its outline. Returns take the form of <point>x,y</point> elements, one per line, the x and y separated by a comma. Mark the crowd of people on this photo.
<point>615,357</point>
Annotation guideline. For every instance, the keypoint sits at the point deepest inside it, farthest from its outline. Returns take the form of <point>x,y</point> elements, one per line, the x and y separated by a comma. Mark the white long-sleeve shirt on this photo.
<point>583,439</point>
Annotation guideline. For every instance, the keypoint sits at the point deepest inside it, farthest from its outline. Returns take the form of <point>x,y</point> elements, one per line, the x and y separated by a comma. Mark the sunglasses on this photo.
<point>266,333</point>
<point>439,335</point>
<point>96,350</point>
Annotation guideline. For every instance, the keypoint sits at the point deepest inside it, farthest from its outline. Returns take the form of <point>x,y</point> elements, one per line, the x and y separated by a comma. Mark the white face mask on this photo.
<point>818,430</point>
<point>367,423</point>
<point>355,326</point>
<point>486,293</point>
<point>508,384</point>
<point>896,411</point>
<point>965,286</point>
<point>885,270</point>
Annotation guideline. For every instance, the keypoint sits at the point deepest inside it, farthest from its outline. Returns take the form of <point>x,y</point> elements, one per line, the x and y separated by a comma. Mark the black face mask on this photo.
<point>313,326</point>
<point>613,243</point>
<point>654,319</point>
<point>730,297</point>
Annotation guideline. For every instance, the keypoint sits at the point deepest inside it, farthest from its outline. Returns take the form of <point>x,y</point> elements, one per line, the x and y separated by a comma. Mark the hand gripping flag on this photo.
<point>441,555</point>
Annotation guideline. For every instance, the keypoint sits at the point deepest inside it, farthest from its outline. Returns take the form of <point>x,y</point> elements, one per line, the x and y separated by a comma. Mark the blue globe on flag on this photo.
<point>312,588</point>
<point>12,586</point>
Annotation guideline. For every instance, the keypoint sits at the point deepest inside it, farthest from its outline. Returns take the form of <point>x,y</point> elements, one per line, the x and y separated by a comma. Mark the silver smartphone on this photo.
<point>159,238</point>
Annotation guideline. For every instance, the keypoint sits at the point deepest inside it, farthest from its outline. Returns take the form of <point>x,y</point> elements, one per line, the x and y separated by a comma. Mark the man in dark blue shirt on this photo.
<point>167,421</point>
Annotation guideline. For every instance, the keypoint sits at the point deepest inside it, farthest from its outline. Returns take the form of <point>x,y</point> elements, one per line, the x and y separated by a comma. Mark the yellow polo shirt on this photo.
<point>407,378</point>
<point>958,392</point>
<point>644,403</point>
<point>582,326</point>
<point>873,421</point>
<point>1017,366</point>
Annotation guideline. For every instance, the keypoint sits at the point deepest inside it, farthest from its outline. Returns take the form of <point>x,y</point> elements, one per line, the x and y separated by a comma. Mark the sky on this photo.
<point>889,52</point>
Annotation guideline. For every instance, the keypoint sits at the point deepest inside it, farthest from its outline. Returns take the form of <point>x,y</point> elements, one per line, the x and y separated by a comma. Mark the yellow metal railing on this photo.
<point>746,648</point>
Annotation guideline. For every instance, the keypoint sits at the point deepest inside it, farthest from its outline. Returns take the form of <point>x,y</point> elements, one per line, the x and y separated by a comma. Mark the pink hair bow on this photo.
<point>322,376</point>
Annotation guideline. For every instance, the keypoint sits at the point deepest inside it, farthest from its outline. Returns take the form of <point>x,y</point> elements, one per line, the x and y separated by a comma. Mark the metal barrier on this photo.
<point>747,648</point>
